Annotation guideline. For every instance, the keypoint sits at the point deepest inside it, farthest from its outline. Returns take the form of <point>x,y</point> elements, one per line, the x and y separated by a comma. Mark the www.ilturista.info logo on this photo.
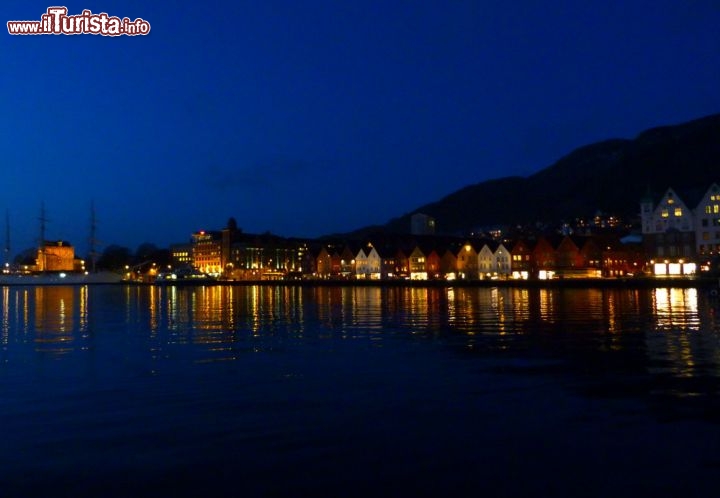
<point>56,22</point>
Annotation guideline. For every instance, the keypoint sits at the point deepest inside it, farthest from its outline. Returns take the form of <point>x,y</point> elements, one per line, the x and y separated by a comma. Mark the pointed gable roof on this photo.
<point>711,197</point>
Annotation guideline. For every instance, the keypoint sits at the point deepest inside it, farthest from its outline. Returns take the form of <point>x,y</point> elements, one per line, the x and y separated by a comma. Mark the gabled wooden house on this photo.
<point>521,264</point>
<point>467,261</point>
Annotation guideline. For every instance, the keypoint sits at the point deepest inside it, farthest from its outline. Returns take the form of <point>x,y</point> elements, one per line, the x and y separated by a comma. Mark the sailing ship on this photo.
<point>56,263</point>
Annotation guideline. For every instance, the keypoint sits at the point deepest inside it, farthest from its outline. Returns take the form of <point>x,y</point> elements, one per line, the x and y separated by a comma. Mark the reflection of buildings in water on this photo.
<point>208,309</point>
<point>417,305</point>
<point>488,310</point>
<point>676,308</point>
<point>593,304</point>
<point>616,305</point>
<point>55,316</point>
<point>22,309</point>
<point>676,344</point>
<point>366,304</point>
<point>254,309</point>
<point>452,306</point>
<point>520,299</point>
<point>465,305</point>
<point>402,306</point>
<point>620,313</point>
<point>329,302</point>
<point>611,307</point>
<point>497,305</point>
<point>154,308</point>
<point>5,315</point>
<point>293,308</point>
<point>83,317</point>
<point>171,307</point>
<point>436,307</point>
<point>547,305</point>
<point>25,311</point>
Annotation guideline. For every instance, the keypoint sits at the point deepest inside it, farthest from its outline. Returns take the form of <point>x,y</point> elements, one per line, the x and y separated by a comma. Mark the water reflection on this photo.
<point>662,331</point>
<point>676,309</point>
<point>53,319</point>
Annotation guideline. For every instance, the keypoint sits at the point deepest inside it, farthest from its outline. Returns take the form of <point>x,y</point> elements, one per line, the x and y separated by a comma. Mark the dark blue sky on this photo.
<point>306,118</point>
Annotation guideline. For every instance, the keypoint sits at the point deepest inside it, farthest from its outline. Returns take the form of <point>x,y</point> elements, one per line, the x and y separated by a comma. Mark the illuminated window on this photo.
<point>716,208</point>
<point>671,201</point>
<point>678,211</point>
<point>665,213</point>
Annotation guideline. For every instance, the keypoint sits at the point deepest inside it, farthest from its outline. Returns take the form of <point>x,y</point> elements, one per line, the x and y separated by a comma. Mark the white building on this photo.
<point>671,213</point>
<point>674,234</point>
<point>486,261</point>
<point>707,223</point>
<point>502,260</point>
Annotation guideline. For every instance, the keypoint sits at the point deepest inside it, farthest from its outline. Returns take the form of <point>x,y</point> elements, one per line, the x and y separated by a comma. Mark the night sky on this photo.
<point>313,117</point>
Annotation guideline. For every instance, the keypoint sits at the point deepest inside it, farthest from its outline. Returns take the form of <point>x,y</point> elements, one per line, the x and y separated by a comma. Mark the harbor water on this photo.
<point>358,391</point>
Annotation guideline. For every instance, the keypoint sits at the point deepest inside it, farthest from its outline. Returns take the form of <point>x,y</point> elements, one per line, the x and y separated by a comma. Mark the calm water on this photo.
<point>284,391</point>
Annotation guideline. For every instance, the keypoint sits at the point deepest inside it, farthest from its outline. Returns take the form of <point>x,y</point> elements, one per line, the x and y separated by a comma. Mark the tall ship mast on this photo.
<point>42,263</point>
<point>93,240</point>
<point>7,238</point>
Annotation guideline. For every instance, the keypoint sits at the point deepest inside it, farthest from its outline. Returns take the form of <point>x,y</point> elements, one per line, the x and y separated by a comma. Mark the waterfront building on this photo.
<point>467,261</point>
<point>448,264</point>
<point>368,263</point>
<point>501,261</point>
<point>388,261</point>
<point>181,255</point>
<point>206,252</point>
<point>521,264</point>
<point>707,223</point>
<point>543,256</point>
<point>56,255</point>
<point>324,263</point>
<point>670,234</point>
<point>485,257</point>
<point>418,269</point>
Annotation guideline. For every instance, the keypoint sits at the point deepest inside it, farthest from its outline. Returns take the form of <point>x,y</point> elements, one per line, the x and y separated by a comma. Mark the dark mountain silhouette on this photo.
<point>610,176</point>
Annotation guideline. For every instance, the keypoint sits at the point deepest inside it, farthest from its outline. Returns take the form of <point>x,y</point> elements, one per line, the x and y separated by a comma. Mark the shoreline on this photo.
<point>558,283</point>
<point>579,283</point>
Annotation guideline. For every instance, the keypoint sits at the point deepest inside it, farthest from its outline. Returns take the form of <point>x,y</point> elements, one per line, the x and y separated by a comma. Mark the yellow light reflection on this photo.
<point>54,323</point>
<point>5,314</point>
<point>547,305</point>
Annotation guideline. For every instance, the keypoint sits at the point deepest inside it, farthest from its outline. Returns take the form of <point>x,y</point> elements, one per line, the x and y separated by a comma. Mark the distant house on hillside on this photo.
<point>422,224</point>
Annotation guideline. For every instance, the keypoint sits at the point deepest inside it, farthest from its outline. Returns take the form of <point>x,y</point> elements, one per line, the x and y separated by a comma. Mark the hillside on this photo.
<point>611,176</point>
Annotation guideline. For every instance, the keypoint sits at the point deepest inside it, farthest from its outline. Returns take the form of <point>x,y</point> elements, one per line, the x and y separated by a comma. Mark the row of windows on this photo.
<point>676,212</point>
